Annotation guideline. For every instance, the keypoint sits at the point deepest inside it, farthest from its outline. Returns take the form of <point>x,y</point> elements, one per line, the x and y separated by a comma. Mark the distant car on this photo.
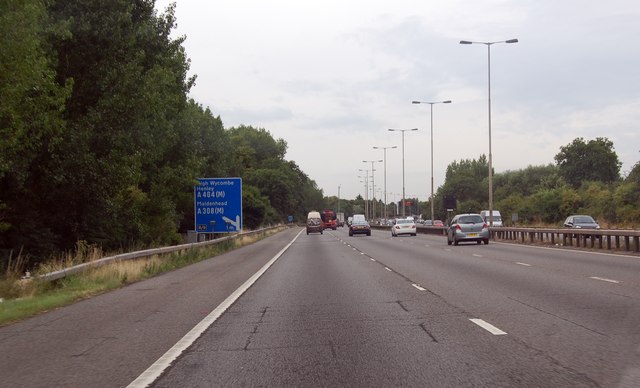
<point>427,222</point>
<point>438,223</point>
<point>467,227</point>
<point>403,226</point>
<point>359,226</point>
<point>581,222</point>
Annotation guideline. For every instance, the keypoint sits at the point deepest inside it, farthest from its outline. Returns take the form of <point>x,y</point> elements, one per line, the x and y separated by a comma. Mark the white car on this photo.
<point>403,226</point>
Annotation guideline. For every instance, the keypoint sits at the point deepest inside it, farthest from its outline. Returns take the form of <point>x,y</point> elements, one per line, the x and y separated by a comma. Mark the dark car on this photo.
<point>581,222</point>
<point>467,227</point>
<point>359,226</point>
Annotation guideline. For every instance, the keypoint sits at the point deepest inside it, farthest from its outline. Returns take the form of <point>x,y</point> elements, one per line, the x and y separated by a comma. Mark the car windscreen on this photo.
<point>584,220</point>
<point>470,220</point>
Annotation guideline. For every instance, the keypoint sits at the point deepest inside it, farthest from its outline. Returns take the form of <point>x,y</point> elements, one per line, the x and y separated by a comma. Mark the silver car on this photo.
<point>581,222</point>
<point>467,227</point>
<point>403,226</point>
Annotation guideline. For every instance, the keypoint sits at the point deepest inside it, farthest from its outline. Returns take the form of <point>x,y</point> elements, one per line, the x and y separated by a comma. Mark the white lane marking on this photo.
<point>525,264</point>
<point>362,253</point>
<point>373,259</point>
<point>604,279</point>
<point>418,287</point>
<point>155,370</point>
<point>354,249</point>
<point>476,255</point>
<point>388,269</point>
<point>487,326</point>
<point>568,250</point>
<point>427,245</point>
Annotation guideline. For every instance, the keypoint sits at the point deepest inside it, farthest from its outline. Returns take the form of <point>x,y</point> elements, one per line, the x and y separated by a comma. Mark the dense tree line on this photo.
<point>100,141</point>
<point>585,179</point>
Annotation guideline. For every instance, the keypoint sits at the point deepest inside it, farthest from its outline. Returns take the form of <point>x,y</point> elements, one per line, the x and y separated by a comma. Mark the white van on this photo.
<point>497,218</point>
<point>314,222</point>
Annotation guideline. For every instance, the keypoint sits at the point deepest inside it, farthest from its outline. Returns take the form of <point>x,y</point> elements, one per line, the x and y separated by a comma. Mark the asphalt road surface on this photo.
<point>334,310</point>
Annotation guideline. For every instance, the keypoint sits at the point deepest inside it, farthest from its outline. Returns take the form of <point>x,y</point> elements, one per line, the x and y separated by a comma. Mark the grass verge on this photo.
<point>23,298</point>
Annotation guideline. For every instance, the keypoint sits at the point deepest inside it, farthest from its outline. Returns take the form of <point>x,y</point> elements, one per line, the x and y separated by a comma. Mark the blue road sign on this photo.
<point>218,205</point>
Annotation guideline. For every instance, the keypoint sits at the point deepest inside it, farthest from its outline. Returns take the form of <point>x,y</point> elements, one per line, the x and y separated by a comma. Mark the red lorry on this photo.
<point>328,219</point>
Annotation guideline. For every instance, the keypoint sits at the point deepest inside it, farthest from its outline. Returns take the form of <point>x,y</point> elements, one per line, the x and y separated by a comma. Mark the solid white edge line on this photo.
<point>155,370</point>
<point>487,326</point>
<point>605,279</point>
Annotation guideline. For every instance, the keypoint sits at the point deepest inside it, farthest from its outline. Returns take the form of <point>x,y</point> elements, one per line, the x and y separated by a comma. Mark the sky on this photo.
<point>331,77</point>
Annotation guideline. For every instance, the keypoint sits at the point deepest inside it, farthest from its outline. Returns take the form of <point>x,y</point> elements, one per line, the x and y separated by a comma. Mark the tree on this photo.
<point>31,122</point>
<point>594,160</point>
<point>467,179</point>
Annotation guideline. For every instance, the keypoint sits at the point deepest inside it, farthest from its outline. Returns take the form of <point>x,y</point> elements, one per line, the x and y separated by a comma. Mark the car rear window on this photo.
<point>470,220</point>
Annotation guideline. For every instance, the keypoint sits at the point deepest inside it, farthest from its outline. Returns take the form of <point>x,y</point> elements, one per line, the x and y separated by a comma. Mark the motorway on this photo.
<point>334,310</point>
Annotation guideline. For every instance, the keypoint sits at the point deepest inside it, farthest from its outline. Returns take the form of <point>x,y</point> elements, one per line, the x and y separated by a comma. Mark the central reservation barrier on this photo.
<point>610,239</point>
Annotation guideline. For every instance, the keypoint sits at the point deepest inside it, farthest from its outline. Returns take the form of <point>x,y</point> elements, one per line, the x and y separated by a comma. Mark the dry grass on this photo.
<point>21,298</point>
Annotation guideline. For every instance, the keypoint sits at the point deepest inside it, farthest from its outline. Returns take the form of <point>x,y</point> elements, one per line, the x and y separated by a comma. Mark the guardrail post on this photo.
<point>626,243</point>
<point>636,242</point>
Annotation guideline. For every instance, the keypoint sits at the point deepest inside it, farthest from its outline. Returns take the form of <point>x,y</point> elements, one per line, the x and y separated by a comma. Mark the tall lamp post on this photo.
<point>373,186</point>
<point>366,191</point>
<point>431,103</point>
<point>403,131</point>
<point>385,176</point>
<point>489,44</point>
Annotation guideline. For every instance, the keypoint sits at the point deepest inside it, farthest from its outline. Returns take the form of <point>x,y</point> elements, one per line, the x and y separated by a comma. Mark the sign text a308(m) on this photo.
<point>218,205</point>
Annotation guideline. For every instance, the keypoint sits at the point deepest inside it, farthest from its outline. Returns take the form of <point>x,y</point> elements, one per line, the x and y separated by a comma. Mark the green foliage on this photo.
<point>100,141</point>
<point>585,180</point>
<point>256,209</point>
<point>594,160</point>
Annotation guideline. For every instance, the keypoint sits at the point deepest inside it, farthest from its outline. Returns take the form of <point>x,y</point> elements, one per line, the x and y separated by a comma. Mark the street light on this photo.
<point>366,191</point>
<point>385,176</point>
<point>489,44</point>
<point>403,131</point>
<point>373,186</point>
<point>431,103</point>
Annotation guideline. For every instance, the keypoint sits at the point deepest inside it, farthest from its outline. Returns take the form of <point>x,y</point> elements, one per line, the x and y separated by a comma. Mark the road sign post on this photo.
<point>218,205</point>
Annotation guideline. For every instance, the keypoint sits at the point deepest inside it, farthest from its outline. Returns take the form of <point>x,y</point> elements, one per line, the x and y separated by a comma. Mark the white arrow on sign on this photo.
<point>235,224</point>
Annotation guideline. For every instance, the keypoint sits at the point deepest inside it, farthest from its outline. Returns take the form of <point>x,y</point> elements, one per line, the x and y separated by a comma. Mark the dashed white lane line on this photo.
<point>604,279</point>
<point>418,287</point>
<point>476,255</point>
<point>525,264</point>
<point>487,326</point>
<point>388,269</point>
<point>372,259</point>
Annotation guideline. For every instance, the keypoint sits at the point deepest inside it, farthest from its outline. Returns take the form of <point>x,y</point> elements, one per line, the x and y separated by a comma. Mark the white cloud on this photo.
<point>331,77</point>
